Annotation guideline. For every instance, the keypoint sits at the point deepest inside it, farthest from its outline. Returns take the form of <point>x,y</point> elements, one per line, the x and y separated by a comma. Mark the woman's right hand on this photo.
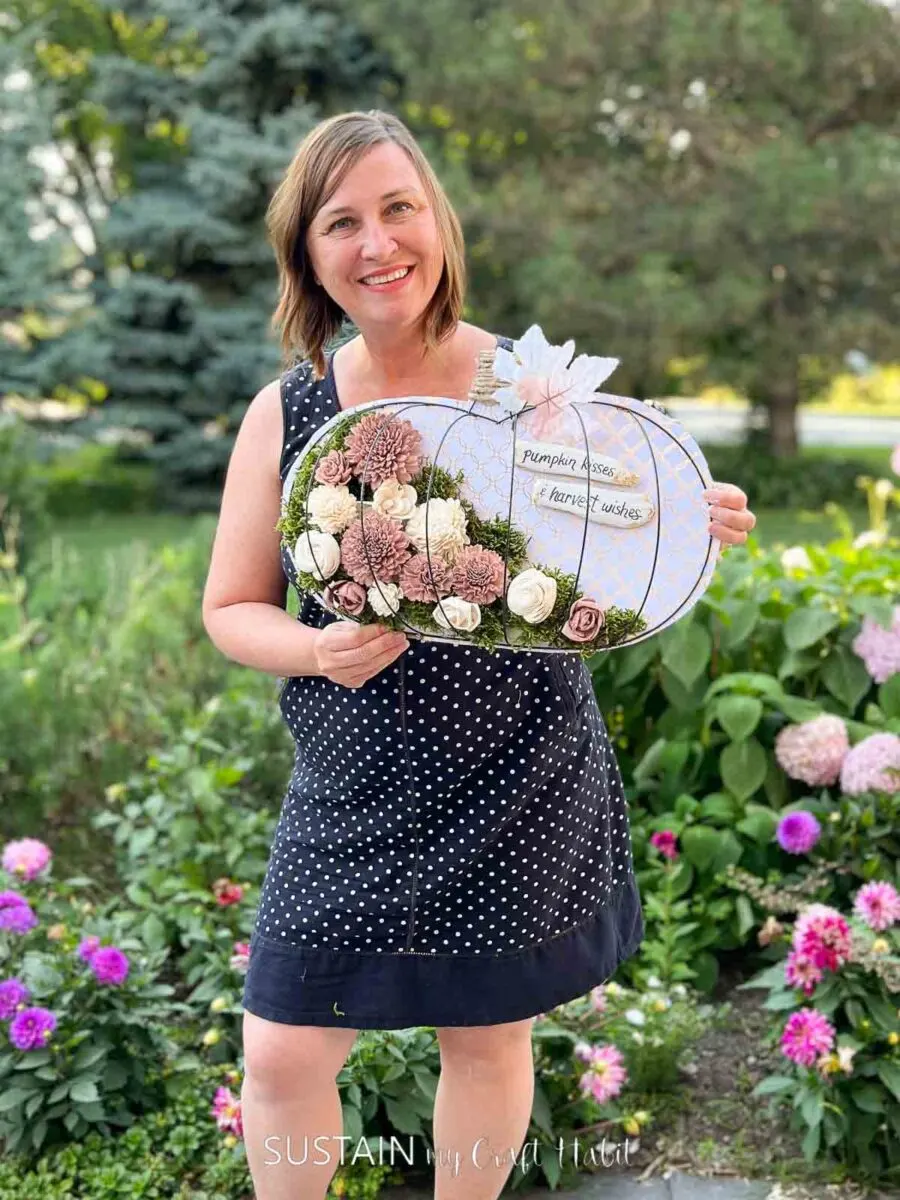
<point>349,653</point>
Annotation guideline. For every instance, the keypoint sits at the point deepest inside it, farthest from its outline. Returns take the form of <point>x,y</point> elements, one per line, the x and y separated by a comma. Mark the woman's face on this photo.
<point>378,221</point>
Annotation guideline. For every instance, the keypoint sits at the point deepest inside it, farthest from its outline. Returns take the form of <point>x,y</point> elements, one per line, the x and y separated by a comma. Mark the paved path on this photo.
<point>710,424</point>
<point>678,1186</point>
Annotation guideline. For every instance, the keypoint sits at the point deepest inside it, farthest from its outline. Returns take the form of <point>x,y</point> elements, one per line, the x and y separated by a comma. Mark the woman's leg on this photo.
<point>289,1097</point>
<point>482,1108</point>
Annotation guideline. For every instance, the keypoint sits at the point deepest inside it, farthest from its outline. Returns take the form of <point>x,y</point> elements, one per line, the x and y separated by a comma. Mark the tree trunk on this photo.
<point>783,441</point>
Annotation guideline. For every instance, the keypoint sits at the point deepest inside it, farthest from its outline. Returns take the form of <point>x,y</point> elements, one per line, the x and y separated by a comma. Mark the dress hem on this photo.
<point>294,985</point>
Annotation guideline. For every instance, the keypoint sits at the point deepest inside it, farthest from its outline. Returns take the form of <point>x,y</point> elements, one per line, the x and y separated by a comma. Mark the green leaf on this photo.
<point>739,715</point>
<point>153,932</point>
<point>773,1085</point>
<point>845,677</point>
<point>806,626</point>
<point>699,846</point>
<point>743,617</point>
<point>810,1146</point>
<point>718,807</point>
<point>868,1097</point>
<point>889,696</point>
<point>746,919</point>
<point>84,1091</point>
<point>743,767</point>
<point>14,1097</point>
<point>87,1055</point>
<point>688,652</point>
<point>748,682</point>
<point>141,841</point>
<point>811,1108</point>
<point>759,823</point>
<point>798,709</point>
<point>685,699</point>
<point>889,1073</point>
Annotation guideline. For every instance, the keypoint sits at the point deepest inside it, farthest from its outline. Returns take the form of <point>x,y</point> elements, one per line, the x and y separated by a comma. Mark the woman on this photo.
<point>453,847</point>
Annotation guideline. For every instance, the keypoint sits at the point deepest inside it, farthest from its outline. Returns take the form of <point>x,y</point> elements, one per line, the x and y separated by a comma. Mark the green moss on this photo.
<point>437,484</point>
<point>293,521</point>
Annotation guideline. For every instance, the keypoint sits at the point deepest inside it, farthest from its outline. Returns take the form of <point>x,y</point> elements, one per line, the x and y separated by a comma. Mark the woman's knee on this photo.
<point>280,1058</point>
<point>487,1045</point>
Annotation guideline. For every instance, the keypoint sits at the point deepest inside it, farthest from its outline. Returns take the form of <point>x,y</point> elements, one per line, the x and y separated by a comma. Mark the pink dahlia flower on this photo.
<point>334,469</point>
<point>798,832</point>
<point>16,914</point>
<point>806,1036</point>
<point>374,546</point>
<point>226,892</point>
<point>88,947</point>
<point>478,575</point>
<point>13,993</point>
<point>879,648</point>
<point>878,904</point>
<point>110,965</point>
<point>801,972</point>
<point>873,765</point>
<point>813,752</point>
<point>384,447</point>
<point>423,580</point>
<point>822,934</point>
<point>26,857</point>
<point>226,1109</point>
<point>32,1028</point>
<point>665,842</point>
<point>240,957</point>
<point>606,1076</point>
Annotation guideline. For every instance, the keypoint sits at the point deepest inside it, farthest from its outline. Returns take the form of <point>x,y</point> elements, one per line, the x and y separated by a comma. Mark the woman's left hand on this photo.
<point>730,520</point>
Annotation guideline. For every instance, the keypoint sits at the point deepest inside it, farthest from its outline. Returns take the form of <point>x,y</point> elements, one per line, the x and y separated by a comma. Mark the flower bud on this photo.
<point>211,1037</point>
<point>631,1126</point>
<point>219,1004</point>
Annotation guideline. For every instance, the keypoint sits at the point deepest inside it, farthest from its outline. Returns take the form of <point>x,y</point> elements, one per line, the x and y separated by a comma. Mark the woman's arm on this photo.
<point>244,598</point>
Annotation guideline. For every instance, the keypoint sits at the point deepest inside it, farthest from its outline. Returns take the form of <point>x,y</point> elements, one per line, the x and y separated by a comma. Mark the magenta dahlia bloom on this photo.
<point>13,992</point>
<point>665,842</point>
<point>801,972</point>
<point>31,1028</point>
<point>878,904</point>
<point>26,858</point>
<point>806,1036</point>
<point>478,575</point>
<point>873,765</point>
<point>606,1076</point>
<point>87,947</point>
<point>421,580</point>
<point>823,935</point>
<point>798,832</point>
<point>226,1109</point>
<point>110,965</point>
<point>374,546</point>
<point>879,648</point>
<point>383,447</point>
<point>813,752</point>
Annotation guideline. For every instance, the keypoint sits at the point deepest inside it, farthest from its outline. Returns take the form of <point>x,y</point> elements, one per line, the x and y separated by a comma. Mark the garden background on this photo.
<point>708,192</point>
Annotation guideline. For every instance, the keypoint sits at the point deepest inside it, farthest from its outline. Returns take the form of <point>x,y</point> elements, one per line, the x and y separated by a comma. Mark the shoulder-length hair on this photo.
<point>306,315</point>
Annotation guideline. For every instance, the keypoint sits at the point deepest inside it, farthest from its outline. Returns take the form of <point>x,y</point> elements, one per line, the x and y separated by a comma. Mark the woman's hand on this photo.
<point>730,520</point>
<point>350,654</point>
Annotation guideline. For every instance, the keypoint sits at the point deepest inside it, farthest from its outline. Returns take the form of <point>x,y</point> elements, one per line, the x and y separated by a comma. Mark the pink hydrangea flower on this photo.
<point>665,842</point>
<point>801,972</point>
<point>879,648</point>
<point>823,935</point>
<point>26,858</point>
<point>806,1036</point>
<point>110,965</point>
<point>607,1074</point>
<point>878,904</point>
<point>873,765</point>
<point>813,752</point>
<point>226,1109</point>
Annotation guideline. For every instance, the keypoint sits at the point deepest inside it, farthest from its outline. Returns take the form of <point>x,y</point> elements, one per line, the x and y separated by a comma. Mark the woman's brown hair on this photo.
<point>306,315</point>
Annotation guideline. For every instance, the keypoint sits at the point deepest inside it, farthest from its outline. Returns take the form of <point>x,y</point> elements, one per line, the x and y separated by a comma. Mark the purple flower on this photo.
<point>17,916</point>
<point>798,832</point>
<point>109,965</point>
<point>10,899</point>
<point>13,992</point>
<point>26,857</point>
<point>32,1028</point>
<point>88,947</point>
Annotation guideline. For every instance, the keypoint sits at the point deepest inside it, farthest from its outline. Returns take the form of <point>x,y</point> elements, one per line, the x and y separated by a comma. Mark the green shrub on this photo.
<point>809,481</point>
<point>24,515</point>
<point>91,479</point>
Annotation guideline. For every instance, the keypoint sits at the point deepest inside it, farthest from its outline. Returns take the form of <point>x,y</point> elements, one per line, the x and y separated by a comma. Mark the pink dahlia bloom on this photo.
<point>478,575</point>
<point>801,972</point>
<point>16,914</point>
<point>665,842</point>
<point>607,1074</point>
<point>873,765</point>
<point>88,947</point>
<point>110,965</point>
<point>813,752</point>
<point>26,857</point>
<point>374,546</point>
<point>798,832</point>
<point>383,447</point>
<point>226,892</point>
<point>806,1036</point>
<point>424,581</point>
<point>32,1028</point>
<point>878,904</point>
<point>823,935</point>
<point>13,993</point>
<point>334,469</point>
<point>226,1109</point>
<point>879,648</point>
<point>240,957</point>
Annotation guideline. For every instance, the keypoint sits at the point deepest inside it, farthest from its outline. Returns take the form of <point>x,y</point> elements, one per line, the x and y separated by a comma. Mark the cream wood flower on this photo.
<point>531,595</point>
<point>317,553</point>
<point>332,508</point>
<point>446,521</point>
<point>456,613</point>
<point>394,499</point>
<point>385,598</point>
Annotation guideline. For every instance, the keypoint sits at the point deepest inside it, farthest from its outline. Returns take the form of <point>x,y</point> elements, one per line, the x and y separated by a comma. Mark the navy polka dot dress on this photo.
<point>453,847</point>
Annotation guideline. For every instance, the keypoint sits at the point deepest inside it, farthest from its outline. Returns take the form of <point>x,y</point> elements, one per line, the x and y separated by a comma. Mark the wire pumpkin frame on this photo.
<point>660,437</point>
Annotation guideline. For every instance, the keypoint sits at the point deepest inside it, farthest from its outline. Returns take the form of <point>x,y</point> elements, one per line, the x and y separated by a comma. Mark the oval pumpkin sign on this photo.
<point>539,514</point>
